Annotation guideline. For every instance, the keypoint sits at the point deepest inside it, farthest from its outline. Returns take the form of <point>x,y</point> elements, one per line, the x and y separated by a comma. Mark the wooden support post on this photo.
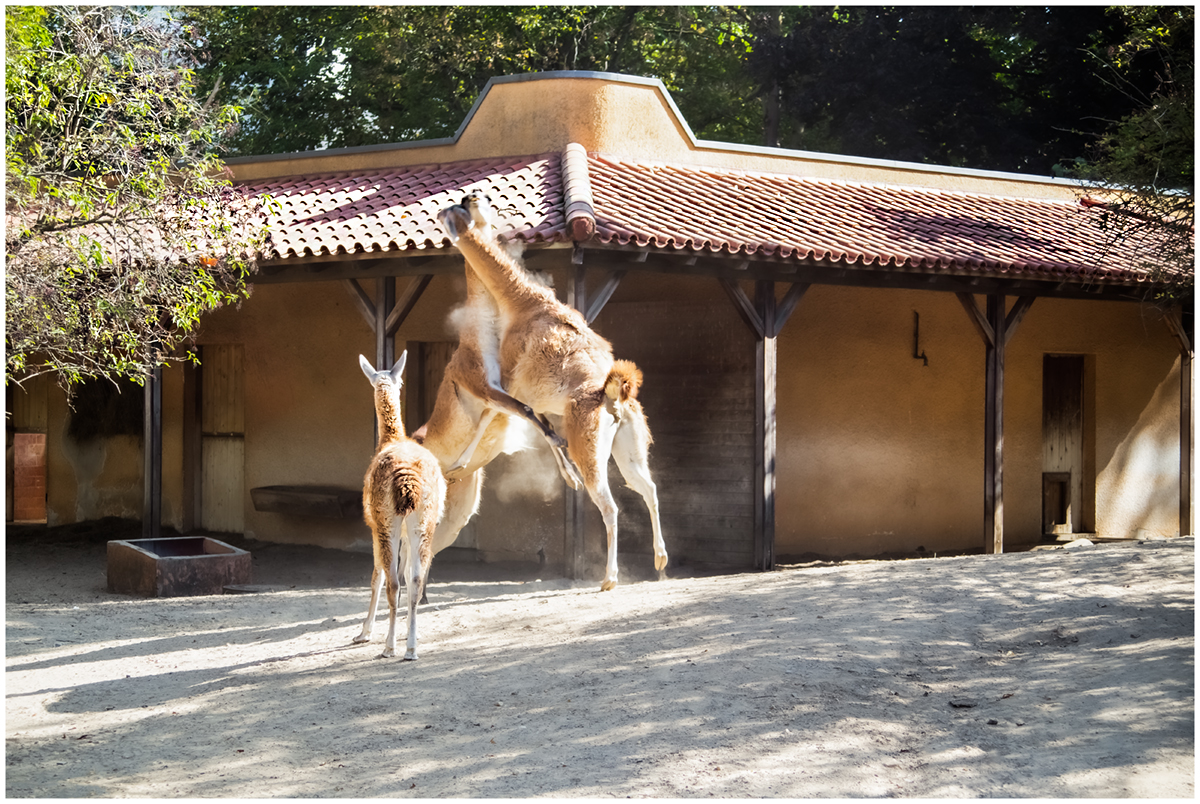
<point>1187,442</point>
<point>1187,430</point>
<point>192,448</point>
<point>764,428</point>
<point>385,300</point>
<point>996,329</point>
<point>152,454</point>
<point>575,501</point>
<point>404,305</point>
<point>385,345</point>
<point>766,318</point>
<point>993,428</point>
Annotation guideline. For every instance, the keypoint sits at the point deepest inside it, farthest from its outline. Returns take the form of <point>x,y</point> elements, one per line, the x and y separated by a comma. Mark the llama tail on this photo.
<point>623,381</point>
<point>407,490</point>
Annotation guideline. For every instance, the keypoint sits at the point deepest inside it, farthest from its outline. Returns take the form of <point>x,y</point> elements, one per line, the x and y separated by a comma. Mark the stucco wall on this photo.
<point>879,453</point>
<point>633,119</point>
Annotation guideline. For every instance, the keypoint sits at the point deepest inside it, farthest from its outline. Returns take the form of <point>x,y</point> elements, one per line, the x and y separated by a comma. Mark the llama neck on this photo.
<point>387,414</point>
<point>495,269</point>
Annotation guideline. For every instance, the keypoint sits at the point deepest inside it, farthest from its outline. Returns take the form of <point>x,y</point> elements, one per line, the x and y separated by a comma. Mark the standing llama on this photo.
<point>404,494</point>
<point>550,360</point>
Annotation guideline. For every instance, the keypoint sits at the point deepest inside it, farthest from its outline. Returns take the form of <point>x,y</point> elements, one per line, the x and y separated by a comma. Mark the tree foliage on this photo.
<point>1000,88</point>
<point>313,77</point>
<point>1146,159</point>
<point>120,230</point>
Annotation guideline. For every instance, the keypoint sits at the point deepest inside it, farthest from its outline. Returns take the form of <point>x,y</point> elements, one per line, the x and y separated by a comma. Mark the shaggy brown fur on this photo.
<point>404,496</point>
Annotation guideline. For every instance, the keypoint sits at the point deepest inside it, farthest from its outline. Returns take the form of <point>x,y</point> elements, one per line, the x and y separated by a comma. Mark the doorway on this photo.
<point>1064,445</point>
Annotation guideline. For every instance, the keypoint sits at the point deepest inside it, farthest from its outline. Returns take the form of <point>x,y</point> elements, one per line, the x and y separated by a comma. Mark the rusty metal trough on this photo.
<point>175,567</point>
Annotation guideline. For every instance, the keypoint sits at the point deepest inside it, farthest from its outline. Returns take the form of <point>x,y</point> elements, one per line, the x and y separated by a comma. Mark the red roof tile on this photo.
<point>861,225</point>
<point>689,209</point>
<point>397,210</point>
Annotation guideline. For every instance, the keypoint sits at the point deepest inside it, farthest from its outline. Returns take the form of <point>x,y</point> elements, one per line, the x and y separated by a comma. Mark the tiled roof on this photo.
<point>396,211</point>
<point>849,224</point>
<point>675,208</point>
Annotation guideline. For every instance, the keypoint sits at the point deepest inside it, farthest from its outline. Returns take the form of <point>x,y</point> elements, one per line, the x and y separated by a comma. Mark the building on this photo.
<point>843,356</point>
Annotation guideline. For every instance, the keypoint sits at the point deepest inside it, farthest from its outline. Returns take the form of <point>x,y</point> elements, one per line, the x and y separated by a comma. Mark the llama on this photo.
<point>404,495</point>
<point>551,360</point>
<point>457,433</point>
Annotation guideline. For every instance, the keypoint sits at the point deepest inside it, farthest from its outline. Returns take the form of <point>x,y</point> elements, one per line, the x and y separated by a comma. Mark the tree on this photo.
<point>120,228</point>
<point>313,77</point>
<point>1000,88</point>
<point>1145,161</point>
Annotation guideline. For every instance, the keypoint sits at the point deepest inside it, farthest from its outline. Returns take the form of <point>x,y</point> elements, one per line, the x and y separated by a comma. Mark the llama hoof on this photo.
<point>607,585</point>
<point>660,562</point>
<point>411,656</point>
<point>362,638</point>
<point>387,653</point>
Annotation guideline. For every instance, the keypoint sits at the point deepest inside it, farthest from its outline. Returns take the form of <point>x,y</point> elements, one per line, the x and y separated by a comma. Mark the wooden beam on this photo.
<point>362,301</point>
<point>405,304</point>
<point>577,288</point>
<point>152,457</point>
<point>606,291</point>
<point>1016,315</point>
<point>981,324</point>
<point>744,307</point>
<point>788,304</point>
<point>1174,322</point>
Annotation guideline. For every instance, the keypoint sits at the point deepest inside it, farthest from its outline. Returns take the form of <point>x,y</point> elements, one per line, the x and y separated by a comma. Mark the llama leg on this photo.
<point>566,467</point>
<point>497,397</point>
<point>596,429</point>
<point>377,575</point>
<point>462,502</point>
<point>413,574</point>
<point>394,567</point>
<point>631,452</point>
<point>602,496</point>
<point>469,452</point>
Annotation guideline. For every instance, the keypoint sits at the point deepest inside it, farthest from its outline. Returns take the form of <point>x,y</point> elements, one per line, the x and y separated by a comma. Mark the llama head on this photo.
<point>455,219</point>
<point>384,378</point>
<point>483,214</point>
<point>475,212</point>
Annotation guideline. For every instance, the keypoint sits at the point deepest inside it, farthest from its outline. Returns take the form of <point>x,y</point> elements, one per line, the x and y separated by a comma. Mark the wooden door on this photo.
<point>222,438</point>
<point>698,394</point>
<point>1062,444</point>
<point>25,481</point>
<point>29,477</point>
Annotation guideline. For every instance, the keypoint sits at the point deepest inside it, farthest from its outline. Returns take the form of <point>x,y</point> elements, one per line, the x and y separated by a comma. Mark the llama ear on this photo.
<point>448,221</point>
<point>398,369</point>
<point>367,368</point>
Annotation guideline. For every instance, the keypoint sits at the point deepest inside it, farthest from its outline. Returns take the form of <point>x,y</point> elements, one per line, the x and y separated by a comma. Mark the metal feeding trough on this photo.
<point>175,567</point>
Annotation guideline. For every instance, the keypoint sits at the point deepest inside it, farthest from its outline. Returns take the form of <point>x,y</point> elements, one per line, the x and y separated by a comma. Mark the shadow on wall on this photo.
<point>1138,487</point>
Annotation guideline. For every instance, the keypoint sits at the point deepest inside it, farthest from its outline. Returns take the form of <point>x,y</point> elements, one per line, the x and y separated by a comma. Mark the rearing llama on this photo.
<point>404,495</point>
<point>549,359</point>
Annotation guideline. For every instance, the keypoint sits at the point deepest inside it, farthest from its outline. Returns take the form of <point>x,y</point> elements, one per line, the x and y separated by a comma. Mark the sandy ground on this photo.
<point>1041,674</point>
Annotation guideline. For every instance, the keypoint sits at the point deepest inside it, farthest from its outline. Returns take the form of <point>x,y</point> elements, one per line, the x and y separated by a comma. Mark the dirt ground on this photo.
<point>1058,673</point>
